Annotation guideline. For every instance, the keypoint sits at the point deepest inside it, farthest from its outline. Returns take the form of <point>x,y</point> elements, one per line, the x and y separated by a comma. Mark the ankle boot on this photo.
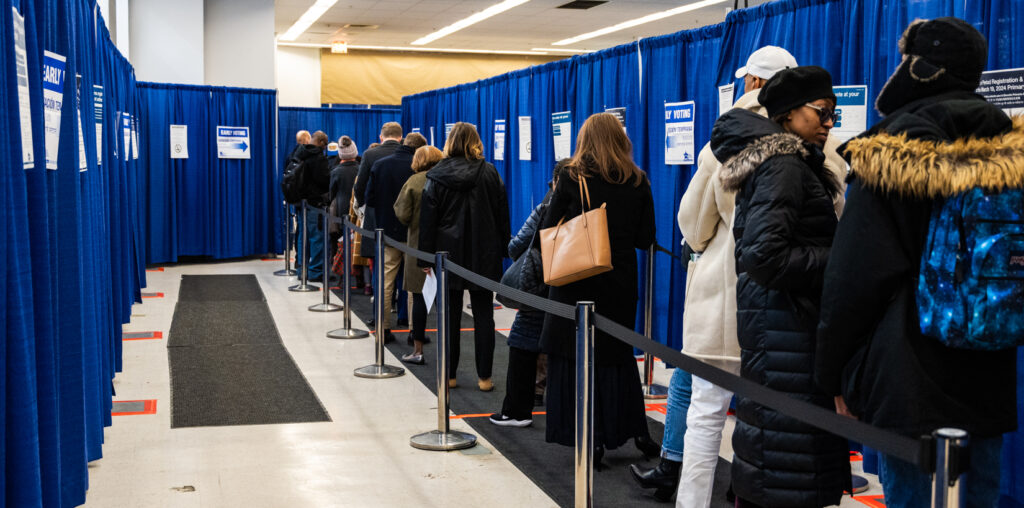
<point>664,478</point>
<point>647,446</point>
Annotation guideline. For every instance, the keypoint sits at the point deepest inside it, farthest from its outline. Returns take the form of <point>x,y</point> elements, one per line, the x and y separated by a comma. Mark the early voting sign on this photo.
<point>53,101</point>
<point>1004,89</point>
<point>851,111</point>
<point>679,147</point>
<point>233,142</point>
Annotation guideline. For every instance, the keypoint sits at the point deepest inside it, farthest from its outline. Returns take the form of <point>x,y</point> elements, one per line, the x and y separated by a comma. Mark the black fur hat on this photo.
<point>791,88</point>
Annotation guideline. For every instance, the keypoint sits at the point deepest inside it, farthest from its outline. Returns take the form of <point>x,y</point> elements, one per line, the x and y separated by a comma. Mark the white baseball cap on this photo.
<point>765,62</point>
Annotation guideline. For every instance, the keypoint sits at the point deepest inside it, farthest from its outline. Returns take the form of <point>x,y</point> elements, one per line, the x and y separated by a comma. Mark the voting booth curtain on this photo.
<point>205,204</point>
<point>71,242</point>
<point>362,124</point>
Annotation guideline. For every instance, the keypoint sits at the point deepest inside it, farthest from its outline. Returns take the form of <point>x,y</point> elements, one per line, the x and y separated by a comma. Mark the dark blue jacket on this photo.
<point>526,329</point>
<point>387,176</point>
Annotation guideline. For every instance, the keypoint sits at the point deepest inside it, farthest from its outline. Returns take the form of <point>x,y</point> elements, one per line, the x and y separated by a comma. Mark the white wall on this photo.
<point>239,43</point>
<point>298,77</point>
<point>167,40</point>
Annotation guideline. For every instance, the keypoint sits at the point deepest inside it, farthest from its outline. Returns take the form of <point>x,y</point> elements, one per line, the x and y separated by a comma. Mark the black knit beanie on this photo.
<point>791,88</point>
<point>939,56</point>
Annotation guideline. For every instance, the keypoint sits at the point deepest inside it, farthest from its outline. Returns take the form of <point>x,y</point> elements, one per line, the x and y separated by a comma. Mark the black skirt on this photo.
<point>619,411</point>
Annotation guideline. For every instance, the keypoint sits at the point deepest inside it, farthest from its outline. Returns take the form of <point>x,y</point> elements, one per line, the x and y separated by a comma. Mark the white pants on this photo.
<point>705,420</point>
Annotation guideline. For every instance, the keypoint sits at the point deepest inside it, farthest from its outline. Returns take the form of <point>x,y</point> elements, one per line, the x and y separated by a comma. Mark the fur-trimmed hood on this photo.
<point>928,168</point>
<point>736,170</point>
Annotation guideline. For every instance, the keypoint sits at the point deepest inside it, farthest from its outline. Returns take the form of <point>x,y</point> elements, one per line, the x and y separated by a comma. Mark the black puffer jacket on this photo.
<point>315,173</point>
<point>343,176</point>
<point>464,211</point>
<point>387,176</point>
<point>529,322</point>
<point>783,227</point>
<point>870,346</point>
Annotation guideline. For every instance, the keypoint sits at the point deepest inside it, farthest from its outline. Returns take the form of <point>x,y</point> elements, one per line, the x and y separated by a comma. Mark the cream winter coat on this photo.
<point>705,219</point>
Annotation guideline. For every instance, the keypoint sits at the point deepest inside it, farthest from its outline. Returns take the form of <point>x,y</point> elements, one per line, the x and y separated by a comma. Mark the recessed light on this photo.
<point>471,20</point>
<point>419,49</point>
<point>639,21</point>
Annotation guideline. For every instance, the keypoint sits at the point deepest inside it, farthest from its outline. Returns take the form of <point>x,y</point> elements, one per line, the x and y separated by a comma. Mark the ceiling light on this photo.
<point>421,50</point>
<point>565,50</point>
<point>463,23</point>
<point>306,20</point>
<point>639,21</point>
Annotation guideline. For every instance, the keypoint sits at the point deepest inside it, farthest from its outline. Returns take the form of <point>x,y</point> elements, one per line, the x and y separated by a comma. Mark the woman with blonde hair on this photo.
<point>604,158</point>
<point>464,211</point>
<point>407,210</point>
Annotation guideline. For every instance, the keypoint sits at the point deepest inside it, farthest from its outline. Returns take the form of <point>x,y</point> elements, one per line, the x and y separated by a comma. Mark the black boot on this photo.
<point>664,478</point>
<point>647,446</point>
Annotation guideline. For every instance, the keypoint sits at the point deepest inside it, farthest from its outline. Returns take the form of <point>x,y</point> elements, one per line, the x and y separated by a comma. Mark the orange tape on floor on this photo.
<point>154,269</point>
<point>875,501</point>
<point>148,408</point>
<point>154,335</point>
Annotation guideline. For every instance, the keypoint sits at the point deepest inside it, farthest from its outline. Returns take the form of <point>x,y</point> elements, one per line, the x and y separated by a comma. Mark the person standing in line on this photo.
<point>604,157</point>
<point>302,138</point>
<point>464,211</point>
<point>407,210</point>
<point>783,224</point>
<point>343,177</point>
<point>937,139</point>
<point>524,336</point>
<point>387,176</point>
<point>391,139</point>
<point>316,180</point>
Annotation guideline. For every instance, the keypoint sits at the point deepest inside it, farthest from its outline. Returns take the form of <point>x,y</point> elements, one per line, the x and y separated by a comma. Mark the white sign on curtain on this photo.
<point>499,140</point>
<point>525,139</point>
<point>135,139</point>
<point>53,101</point>
<point>725,98</point>
<point>851,111</point>
<point>561,129</point>
<point>126,130</point>
<point>83,163</point>
<point>233,142</point>
<point>97,105</point>
<point>679,145</point>
<point>179,141</point>
<point>620,114</point>
<point>1004,89</point>
<point>28,154</point>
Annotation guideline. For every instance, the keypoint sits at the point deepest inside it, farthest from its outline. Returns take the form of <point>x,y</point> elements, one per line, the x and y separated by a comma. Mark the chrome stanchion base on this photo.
<point>325,307</point>
<point>285,273</point>
<point>379,371</point>
<point>347,333</point>
<point>443,441</point>
<point>655,391</point>
<point>304,288</point>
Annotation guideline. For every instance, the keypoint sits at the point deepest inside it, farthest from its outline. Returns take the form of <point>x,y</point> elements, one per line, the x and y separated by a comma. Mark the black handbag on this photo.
<point>526,274</point>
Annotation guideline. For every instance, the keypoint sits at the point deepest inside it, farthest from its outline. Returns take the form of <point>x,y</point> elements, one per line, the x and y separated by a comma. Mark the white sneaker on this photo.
<point>505,421</point>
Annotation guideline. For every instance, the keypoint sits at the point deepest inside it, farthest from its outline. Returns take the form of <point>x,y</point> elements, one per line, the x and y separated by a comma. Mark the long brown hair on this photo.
<point>602,148</point>
<point>464,141</point>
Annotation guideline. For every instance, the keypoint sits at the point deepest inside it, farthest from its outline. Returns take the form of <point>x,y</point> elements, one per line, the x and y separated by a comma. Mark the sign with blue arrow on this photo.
<point>233,143</point>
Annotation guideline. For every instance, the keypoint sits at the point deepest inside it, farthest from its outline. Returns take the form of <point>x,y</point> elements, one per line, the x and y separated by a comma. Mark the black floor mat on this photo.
<point>550,466</point>
<point>227,363</point>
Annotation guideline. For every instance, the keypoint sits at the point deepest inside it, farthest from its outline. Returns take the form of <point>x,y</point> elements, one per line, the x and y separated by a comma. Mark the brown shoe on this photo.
<point>452,383</point>
<point>485,385</point>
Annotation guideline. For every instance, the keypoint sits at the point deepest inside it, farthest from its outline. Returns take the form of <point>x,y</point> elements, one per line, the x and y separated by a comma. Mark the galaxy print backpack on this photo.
<point>970,292</point>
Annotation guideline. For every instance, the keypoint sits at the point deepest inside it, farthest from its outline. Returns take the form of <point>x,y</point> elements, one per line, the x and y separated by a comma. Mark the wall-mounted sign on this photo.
<point>233,142</point>
<point>679,146</point>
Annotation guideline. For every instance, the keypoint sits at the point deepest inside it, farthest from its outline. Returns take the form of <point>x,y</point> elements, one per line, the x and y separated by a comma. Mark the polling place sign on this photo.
<point>1004,89</point>
<point>233,143</point>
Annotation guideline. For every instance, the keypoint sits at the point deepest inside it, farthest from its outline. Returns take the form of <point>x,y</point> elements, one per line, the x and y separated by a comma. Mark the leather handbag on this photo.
<point>578,248</point>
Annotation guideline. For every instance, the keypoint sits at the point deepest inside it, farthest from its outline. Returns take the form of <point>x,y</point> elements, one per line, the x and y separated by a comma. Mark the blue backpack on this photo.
<point>970,294</point>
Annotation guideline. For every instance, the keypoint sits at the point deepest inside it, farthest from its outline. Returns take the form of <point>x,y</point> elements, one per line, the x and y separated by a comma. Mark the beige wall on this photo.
<point>376,77</point>
<point>298,77</point>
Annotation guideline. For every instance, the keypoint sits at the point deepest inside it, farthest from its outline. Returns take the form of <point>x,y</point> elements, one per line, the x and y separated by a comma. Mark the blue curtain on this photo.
<point>204,205</point>
<point>360,124</point>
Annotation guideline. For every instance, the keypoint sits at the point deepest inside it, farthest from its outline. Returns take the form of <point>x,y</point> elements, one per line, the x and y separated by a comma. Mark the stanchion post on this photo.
<point>326,305</point>
<point>378,370</point>
<point>346,331</point>
<point>950,454</point>
<point>287,272</point>
<point>304,286</point>
<point>584,460</point>
<point>442,439</point>
<point>651,389</point>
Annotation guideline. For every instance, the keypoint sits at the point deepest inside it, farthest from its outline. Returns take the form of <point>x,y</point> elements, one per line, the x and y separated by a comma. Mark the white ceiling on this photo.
<point>535,24</point>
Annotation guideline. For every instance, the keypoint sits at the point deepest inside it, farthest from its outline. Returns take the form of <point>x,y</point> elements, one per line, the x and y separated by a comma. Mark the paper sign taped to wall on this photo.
<point>499,140</point>
<point>1004,89</point>
<point>525,138</point>
<point>725,97</point>
<point>126,131</point>
<point>179,141</point>
<point>135,139</point>
<point>851,111</point>
<point>28,154</point>
<point>53,101</point>
<point>620,114</point>
<point>561,130</point>
<point>233,142</point>
<point>679,145</point>
<point>83,162</point>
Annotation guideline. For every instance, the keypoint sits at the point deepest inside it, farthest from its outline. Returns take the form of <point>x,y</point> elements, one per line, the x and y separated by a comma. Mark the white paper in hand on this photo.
<point>430,290</point>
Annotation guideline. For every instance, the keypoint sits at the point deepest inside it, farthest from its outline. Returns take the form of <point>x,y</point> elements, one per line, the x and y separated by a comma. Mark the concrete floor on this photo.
<point>361,458</point>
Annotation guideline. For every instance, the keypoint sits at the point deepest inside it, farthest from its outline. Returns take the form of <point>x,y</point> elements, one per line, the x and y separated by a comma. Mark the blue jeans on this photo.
<point>315,272</point>
<point>678,404</point>
<point>906,486</point>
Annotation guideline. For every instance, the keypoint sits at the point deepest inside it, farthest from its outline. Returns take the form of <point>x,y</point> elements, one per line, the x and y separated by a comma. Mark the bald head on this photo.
<point>303,138</point>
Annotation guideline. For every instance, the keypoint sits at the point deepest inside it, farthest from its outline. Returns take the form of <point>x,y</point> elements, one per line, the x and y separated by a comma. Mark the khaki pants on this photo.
<point>392,263</point>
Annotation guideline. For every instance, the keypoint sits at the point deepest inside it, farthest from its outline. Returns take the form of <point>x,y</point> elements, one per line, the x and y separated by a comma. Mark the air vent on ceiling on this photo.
<point>582,4</point>
<point>354,26</point>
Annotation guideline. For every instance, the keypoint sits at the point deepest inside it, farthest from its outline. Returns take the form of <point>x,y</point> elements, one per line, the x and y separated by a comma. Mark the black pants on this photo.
<point>520,384</point>
<point>483,329</point>
<point>419,317</point>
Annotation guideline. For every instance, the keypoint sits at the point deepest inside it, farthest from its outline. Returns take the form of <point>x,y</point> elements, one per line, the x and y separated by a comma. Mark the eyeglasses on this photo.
<point>825,115</point>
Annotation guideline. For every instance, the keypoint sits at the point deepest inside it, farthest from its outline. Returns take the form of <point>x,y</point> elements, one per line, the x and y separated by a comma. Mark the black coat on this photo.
<point>315,179</point>
<point>369,158</point>
<point>783,225</point>
<point>529,322</point>
<point>870,347</point>
<point>387,176</point>
<point>631,226</point>
<point>464,211</point>
<point>343,176</point>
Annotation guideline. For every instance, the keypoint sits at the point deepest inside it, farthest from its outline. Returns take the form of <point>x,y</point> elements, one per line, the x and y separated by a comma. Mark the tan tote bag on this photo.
<point>579,248</point>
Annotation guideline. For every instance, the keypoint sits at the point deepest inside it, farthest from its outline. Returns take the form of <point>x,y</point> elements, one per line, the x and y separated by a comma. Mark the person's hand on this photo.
<point>841,407</point>
<point>427,270</point>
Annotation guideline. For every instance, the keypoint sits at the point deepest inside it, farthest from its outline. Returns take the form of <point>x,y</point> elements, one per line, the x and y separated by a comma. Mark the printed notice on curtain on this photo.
<point>233,142</point>
<point>432,136</point>
<point>725,98</point>
<point>83,163</point>
<point>499,140</point>
<point>448,130</point>
<point>851,111</point>
<point>53,100</point>
<point>28,156</point>
<point>97,105</point>
<point>620,115</point>
<point>525,139</point>
<point>561,128</point>
<point>1004,89</point>
<point>135,139</point>
<point>179,141</point>
<point>126,130</point>
<point>679,146</point>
